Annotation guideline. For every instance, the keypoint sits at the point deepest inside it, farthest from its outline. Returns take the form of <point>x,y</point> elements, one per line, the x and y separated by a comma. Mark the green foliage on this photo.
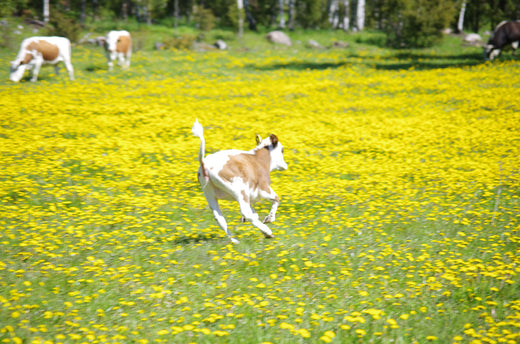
<point>7,7</point>
<point>61,24</point>
<point>417,23</point>
<point>312,14</point>
<point>205,19</point>
<point>184,42</point>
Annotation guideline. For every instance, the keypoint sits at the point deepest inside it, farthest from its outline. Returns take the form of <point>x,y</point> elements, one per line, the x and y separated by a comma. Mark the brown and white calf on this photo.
<point>505,33</point>
<point>242,176</point>
<point>118,46</point>
<point>36,51</point>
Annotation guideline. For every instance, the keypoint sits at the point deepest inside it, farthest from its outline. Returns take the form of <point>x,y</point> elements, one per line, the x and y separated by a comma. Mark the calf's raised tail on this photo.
<point>198,131</point>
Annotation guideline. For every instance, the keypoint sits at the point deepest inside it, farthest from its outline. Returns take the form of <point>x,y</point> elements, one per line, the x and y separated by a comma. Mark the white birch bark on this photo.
<point>333,14</point>
<point>240,5</point>
<point>460,23</point>
<point>282,15</point>
<point>46,11</point>
<point>346,18</point>
<point>360,15</point>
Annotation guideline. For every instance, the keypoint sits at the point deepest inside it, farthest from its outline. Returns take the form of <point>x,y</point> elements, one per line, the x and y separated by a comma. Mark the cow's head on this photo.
<point>275,149</point>
<point>491,51</point>
<point>17,70</point>
<point>19,66</point>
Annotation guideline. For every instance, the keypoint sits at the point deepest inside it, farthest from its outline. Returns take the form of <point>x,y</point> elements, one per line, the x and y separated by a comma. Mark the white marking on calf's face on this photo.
<point>17,71</point>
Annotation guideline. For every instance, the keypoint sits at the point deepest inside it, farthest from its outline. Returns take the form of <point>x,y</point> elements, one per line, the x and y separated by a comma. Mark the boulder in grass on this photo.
<point>278,37</point>
<point>220,44</point>
<point>472,38</point>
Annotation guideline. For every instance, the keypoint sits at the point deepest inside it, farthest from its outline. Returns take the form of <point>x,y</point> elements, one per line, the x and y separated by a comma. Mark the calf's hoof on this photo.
<point>268,219</point>
<point>234,241</point>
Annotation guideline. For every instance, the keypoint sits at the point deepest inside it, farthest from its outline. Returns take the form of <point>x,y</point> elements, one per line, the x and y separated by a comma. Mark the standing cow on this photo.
<point>118,45</point>
<point>35,51</point>
<point>505,33</point>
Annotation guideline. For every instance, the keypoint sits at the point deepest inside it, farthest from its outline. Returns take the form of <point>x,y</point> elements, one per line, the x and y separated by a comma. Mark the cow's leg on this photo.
<point>217,214</point>
<point>35,71</point>
<point>70,69</point>
<point>514,45</point>
<point>128,56</point>
<point>250,215</point>
<point>111,57</point>
<point>275,201</point>
<point>121,59</point>
<point>243,219</point>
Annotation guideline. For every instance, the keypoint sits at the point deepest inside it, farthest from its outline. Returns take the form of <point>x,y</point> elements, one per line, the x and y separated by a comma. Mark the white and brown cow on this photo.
<point>35,51</point>
<point>118,46</point>
<point>242,176</point>
<point>505,33</point>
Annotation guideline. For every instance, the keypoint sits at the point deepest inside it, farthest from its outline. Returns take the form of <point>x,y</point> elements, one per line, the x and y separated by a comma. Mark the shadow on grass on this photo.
<point>196,238</point>
<point>398,61</point>
<point>95,68</point>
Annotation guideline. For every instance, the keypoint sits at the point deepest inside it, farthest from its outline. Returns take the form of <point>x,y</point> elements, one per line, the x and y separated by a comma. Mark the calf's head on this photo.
<point>17,70</point>
<point>275,148</point>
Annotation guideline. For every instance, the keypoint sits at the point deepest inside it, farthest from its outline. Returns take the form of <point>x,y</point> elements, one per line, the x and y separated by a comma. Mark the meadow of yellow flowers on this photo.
<point>399,216</point>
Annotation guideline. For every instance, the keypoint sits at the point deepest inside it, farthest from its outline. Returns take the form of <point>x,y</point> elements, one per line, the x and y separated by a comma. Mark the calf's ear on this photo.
<point>274,140</point>
<point>258,139</point>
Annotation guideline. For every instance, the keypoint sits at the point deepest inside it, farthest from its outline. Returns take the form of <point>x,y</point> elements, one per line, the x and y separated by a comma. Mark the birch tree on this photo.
<point>334,13</point>
<point>360,15</point>
<point>460,23</point>
<point>346,17</point>
<point>281,23</point>
<point>46,11</point>
<point>240,5</point>
<point>290,21</point>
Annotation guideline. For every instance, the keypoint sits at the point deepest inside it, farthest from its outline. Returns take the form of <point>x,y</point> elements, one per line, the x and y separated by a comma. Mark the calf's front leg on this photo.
<point>275,201</point>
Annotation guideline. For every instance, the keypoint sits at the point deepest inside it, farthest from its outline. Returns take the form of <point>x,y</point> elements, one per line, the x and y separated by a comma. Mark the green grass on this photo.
<point>399,214</point>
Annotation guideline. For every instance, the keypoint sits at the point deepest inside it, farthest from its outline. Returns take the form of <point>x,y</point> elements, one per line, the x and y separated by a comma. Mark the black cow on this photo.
<point>505,33</point>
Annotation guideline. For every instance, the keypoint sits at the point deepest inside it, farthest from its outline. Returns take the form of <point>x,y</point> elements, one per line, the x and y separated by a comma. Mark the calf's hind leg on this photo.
<point>219,217</point>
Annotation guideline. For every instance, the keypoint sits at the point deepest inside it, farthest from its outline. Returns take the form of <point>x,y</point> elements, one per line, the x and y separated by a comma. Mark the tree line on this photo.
<point>411,23</point>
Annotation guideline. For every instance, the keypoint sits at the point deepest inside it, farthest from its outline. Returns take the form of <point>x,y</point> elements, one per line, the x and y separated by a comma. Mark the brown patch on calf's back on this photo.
<point>253,169</point>
<point>50,52</point>
<point>124,44</point>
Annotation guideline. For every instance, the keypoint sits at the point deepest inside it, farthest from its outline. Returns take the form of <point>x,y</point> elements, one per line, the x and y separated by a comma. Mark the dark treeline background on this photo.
<point>416,23</point>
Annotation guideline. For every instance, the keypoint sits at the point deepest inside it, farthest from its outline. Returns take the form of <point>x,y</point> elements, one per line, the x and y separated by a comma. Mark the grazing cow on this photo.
<point>118,45</point>
<point>36,51</point>
<point>505,33</point>
<point>242,176</point>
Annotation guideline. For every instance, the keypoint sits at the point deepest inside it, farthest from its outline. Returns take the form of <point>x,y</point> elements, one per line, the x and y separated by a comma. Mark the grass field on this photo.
<point>399,219</point>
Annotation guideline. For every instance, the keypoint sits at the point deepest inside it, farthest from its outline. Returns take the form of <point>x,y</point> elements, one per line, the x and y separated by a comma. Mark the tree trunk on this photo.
<point>46,11</point>
<point>333,13</point>
<point>346,18</point>
<point>249,17</point>
<point>175,15</point>
<point>149,12</point>
<point>360,15</point>
<point>83,10</point>
<point>240,5</point>
<point>290,21</point>
<point>460,23</point>
<point>124,10</point>
<point>281,24</point>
